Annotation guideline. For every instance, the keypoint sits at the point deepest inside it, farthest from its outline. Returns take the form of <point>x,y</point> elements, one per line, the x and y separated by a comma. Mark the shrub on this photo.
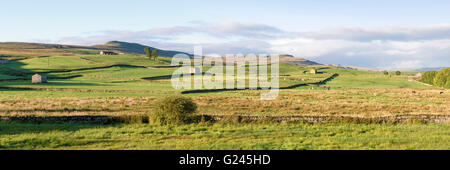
<point>386,73</point>
<point>447,85</point>
<point>428,77</point>
<point>441,77</point>
<point>173,110</point>
<point>398,73</point>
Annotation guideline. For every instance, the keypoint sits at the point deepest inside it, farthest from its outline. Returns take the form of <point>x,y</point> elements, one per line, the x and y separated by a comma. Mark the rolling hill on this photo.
<point>289,59</point>
<point>135,48</point>
<point>22,50</point>
<point>40,49</point>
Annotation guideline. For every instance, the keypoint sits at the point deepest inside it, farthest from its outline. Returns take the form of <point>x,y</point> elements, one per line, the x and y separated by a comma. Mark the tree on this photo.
<point>428,77</point>
<point>441,77</point>
<point>398,73</point>
<point>148,53</point>
<point>386,73</point>
<point>154,54</point>
<point>173,110</point>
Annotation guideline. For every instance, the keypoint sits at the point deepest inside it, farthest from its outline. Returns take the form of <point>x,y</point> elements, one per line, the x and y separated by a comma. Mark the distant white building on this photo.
<point>195,70</point>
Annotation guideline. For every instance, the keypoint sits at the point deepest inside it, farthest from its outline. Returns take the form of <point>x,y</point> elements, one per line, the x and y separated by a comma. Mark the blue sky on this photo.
<point>398,29</point>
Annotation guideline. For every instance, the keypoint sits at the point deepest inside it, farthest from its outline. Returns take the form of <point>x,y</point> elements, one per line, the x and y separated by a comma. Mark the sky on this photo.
<point>367,33</point>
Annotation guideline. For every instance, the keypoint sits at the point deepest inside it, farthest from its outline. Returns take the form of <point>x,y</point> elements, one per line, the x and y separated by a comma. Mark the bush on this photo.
<point>398,73</point>
<point>447,85</point>
<point>441,77</point>
<point>173,110</point>
<point>386,73</point>
<point>428,77</point>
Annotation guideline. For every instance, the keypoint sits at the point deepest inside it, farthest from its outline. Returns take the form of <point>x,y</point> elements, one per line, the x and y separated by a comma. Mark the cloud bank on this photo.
<point>390,47</point>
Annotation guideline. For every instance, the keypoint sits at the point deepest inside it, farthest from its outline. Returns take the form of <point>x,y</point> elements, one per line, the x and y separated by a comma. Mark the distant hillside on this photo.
<point>40,49</point>
<point>289,59</point>
<point>363,68</point>
<point>135,48</point>
<point>19,49</point>
<point>430,69</point>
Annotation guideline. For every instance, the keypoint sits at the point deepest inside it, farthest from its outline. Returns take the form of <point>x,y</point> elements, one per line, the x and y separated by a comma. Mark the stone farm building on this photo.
<point>195,70</point>
<point>313,71</point>
<point>4,61</point>
<point>107,53</point>
<point>37,78</point>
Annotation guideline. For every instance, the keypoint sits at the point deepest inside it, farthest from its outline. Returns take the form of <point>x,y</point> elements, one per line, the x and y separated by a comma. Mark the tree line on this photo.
<point>398,73</point>
<point>437,78</point>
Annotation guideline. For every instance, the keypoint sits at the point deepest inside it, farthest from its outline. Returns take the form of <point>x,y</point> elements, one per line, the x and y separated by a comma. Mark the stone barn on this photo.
<point>313,71</point>
<point>37,78</point>
<point>107,53</point>
<point>4,61</point>
<point>195,70</point>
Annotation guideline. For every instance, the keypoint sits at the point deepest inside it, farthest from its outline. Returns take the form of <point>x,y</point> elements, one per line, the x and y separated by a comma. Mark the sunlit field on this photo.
<point>84,84</point>
<point>288,136</point>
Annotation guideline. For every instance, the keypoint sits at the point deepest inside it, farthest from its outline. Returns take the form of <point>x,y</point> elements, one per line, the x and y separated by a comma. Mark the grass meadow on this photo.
<point>82,83</point>
<point>266,136</point>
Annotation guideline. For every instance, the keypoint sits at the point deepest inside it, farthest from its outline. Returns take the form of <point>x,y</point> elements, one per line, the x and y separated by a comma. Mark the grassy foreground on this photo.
<point>291,136</point>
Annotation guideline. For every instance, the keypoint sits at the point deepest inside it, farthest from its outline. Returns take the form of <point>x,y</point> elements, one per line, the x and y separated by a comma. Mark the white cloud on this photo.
<point>380,54</point>
<point>381,47</point>
<point>400,33</point>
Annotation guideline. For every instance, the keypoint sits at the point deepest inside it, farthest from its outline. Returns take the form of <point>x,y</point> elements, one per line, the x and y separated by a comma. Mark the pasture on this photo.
<point>86,84</point>
<point>286,136</point>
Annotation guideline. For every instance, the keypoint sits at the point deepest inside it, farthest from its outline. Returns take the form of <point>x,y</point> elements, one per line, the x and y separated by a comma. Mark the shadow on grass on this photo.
<point>50,77</point>
<point>14,128</point>
<point>34,135</point>
<point>15,68</point>
<point>91,68</point>
<point>158,77</point>
<point>166,77</point>
<point>44,86</point>
<point>164,66</point>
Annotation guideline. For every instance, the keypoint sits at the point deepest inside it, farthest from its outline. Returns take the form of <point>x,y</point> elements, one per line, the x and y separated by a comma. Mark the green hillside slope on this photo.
<point>15,49</point>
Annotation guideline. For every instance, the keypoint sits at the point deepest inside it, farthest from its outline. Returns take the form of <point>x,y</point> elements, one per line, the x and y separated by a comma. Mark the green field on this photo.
<point>82,83</point>
<point>294,136</point>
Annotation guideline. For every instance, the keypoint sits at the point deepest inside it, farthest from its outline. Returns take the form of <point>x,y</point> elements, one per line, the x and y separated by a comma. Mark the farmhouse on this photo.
<point>313,71</point>
<point>38,79</point>
<point>4,61</point>
<point>107,53</point>
<point>195,70</point>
